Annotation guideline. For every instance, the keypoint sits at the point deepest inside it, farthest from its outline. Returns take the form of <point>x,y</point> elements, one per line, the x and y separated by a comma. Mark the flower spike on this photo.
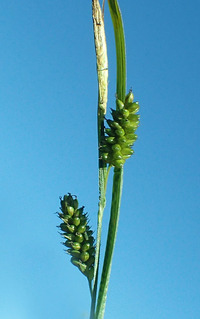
<point>120,136</point>
<point>78,235</point>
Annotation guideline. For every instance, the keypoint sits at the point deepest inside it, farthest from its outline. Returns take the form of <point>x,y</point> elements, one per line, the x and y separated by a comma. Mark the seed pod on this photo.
<point>129,143</point>
<point>110,140</point>
<point>117,156</point>
<point>133,107</point>
<point>76,245</point>
<point>81,229</point>
<point>116,125</point>
<point>121,140</point>
<point>86,235</point>
<point>135,125</point>
<point>76,221</point>
<point>71,228</point>
<point>63,227</point>
<point>127,151</point>
<point>116,147</point>
<point>125,113</point>
<point>84,256</point>
<point>120,132</point>
<point>125,123</point>
<point>129,130</point>
<point>134,118</point>
<point>104,156</point>
<point>129,98</point>
<point>74,261</point>
<point>119,104</point>
<point>79,238</point>
<point>85,246</point>
<point>79,264</point>
<point>130,136</point>
<point>82,267</point>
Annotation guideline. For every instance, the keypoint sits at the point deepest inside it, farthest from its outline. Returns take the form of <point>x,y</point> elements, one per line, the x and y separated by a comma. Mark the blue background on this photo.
<point>48,99</point>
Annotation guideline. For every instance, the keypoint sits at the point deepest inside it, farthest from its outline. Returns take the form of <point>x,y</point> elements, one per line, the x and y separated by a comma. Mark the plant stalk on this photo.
<point>112,233</point>
<point>118,172</point>
<point>102,75</point>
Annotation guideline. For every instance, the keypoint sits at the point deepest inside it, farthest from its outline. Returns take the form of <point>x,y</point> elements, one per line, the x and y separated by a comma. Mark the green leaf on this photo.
<point>120,48</point>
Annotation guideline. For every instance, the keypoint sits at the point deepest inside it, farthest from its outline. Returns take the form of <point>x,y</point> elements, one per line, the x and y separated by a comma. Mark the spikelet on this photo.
<point>120,136</point>
<point>78,235</point>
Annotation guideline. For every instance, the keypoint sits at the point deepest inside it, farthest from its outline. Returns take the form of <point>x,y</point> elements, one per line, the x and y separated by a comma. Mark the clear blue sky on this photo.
<point>48,98</point>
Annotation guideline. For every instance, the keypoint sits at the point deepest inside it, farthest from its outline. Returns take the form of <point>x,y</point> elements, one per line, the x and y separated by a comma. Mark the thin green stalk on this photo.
<point>118,172</point>
<point>102,203</point>
<point>112,233</point>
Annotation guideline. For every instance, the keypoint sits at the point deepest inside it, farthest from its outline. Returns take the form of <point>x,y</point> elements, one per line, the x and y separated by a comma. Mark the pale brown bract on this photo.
<point>101,54</point>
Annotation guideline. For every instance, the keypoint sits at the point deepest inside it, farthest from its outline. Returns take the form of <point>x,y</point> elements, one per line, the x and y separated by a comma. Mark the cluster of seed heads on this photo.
<point>120,136</point>
<point>76,231</point>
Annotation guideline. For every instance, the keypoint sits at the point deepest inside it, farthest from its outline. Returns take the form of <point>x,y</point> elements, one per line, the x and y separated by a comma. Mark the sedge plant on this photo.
<point>116,137</point>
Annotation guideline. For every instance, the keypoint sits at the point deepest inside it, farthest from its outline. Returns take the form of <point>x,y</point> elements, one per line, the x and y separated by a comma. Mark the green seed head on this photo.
<point>120,137</point>
<point>79,238</point>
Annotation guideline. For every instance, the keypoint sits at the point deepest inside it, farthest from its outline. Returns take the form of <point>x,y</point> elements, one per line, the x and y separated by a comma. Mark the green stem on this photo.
<point>90,286</point>
<point>120,48</point>
<point>102,74</point>
<point>112,232</point>
<point>118,172</point>
<point>102,203</point>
